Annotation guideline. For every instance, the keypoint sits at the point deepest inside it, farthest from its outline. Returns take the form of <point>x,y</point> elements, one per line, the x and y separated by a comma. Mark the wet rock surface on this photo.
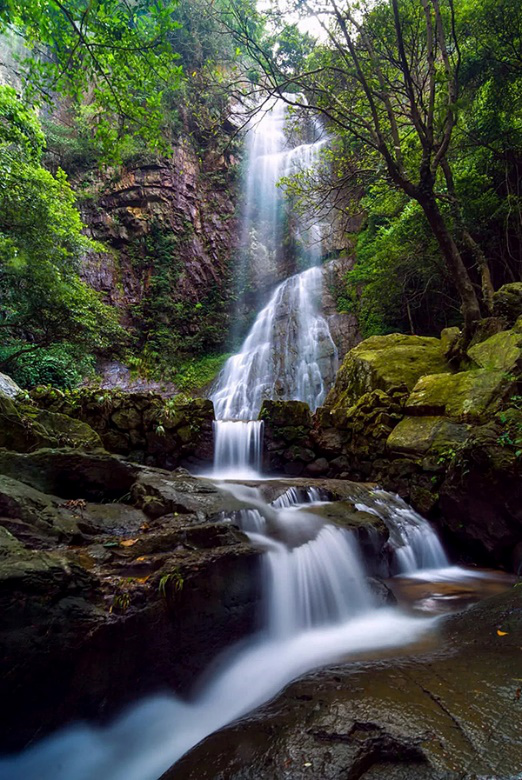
<point>446,714</point>
<point>106,602</point>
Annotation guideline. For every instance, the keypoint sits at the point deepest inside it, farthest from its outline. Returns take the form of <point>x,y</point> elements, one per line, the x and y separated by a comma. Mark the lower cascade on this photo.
<point>316,608</point>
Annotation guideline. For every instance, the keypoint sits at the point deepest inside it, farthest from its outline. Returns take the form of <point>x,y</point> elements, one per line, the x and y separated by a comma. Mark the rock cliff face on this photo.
<point>188,199</point>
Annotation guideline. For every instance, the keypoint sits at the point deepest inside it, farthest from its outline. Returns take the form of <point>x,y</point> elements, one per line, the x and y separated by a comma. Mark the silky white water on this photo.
<point>289,353</point>
<point>415,544</point>
<point>316,608</point>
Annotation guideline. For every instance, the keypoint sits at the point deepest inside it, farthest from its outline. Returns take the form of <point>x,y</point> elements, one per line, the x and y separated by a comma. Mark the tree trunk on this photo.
<point>458,272</point>
<point>476,251</point>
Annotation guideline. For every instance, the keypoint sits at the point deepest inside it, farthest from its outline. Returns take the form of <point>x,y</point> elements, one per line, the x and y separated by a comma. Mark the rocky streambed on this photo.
<point>446,709</point>
<point>137,583</point>
<point>119,580</point>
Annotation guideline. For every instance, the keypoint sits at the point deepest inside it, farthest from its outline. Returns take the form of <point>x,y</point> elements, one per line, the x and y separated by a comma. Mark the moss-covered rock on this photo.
<point>421,435</point>
<point>71,474</point>
<point>507,302</point>
<point>385,362</point>
<point>469,396</point>
<point>501,352</point>
<point>145,427</point>
<point>69,432</point>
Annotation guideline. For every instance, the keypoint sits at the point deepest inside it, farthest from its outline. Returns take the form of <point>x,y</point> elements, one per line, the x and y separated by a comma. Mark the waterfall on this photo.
<point>317,608</point>
<point>415,544</point>
<point>237,448</point>
<point>289,353</point>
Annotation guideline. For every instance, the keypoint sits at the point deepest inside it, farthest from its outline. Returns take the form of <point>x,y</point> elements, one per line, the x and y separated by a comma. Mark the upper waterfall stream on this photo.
<point>289,353</point>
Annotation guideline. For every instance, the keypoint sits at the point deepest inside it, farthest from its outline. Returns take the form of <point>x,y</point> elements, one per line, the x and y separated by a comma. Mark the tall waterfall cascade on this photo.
<point>289,353</point>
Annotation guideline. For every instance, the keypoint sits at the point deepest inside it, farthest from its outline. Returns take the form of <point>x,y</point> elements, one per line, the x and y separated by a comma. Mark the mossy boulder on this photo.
<point>69,432</point>
<point>507,302</point>
<point>385,362</point>
<point>501,352</point>
<point>469,396</point>
<point>419,436</point>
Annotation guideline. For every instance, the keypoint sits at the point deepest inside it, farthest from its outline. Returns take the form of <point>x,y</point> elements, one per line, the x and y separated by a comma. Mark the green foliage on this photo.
<point>171,583</point>
<point>175,338</point>
<point>43,301</point>
<point>62,365</point>
<point>511,421</point>
<point>195,374</point>
<point>398,282</point>
<point>110,55</point>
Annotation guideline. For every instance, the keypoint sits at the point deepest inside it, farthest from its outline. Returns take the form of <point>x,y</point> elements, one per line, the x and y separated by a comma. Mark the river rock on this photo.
<point>71,474</point>
<point>125,606</point>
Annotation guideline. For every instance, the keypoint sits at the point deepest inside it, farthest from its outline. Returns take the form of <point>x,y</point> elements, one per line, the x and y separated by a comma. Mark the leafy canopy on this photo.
<point>112,55</point>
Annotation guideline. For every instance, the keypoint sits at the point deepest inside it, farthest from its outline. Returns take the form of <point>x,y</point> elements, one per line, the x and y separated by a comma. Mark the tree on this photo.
<point>112,55</point>
<point>43,301</point>
<point>387,81</point>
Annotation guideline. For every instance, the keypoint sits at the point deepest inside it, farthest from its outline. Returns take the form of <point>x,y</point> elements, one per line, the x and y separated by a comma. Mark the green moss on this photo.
<point>423,435</point>
<point>501,352</point>
<point>469,396</point>
<point>385,362</point>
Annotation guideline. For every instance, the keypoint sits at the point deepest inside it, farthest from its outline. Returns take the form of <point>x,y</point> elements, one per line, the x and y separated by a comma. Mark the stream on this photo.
<point>317,608</point>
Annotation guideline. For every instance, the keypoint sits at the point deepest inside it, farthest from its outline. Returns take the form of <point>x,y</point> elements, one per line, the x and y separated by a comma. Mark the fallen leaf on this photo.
<point>128,542</point>
<point>502,633</point>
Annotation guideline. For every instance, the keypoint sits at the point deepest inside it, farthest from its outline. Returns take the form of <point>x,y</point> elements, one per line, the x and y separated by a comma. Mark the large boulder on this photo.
<point>71,474</point>
<point>469,396</point>
<point>383,363</point>
<point>418,436</point>
<point>501,352</point>
<point>8,386</point>
<point>447,715</point>
<point>507,302</point>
